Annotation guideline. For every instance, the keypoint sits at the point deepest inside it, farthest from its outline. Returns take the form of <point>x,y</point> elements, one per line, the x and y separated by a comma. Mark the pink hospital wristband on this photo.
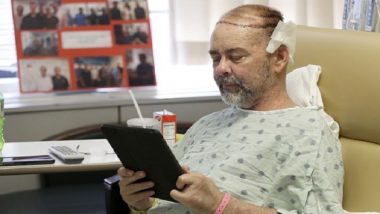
<point>223,204</point>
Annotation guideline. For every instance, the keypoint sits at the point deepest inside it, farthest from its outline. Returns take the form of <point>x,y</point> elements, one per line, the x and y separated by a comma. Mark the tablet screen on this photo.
<point>145,150</point>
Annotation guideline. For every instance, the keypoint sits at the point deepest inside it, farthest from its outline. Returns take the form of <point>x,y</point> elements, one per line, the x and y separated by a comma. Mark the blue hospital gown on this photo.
<point>284,159</point>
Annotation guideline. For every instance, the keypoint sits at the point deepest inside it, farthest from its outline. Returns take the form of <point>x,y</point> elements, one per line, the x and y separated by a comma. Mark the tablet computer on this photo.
<point>142,149</point>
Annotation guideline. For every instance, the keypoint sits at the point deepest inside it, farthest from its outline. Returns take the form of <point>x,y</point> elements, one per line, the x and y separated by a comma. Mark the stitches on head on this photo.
<point>253,16</point>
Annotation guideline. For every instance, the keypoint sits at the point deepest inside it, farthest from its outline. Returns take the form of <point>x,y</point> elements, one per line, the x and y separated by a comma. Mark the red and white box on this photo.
<point>168,125</point>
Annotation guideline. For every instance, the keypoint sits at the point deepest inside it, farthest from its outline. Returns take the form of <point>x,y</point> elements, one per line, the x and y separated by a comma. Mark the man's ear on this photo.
<point>280,59</point>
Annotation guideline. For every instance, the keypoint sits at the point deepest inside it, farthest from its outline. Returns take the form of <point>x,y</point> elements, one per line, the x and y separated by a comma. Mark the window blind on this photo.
<point>7,41</point>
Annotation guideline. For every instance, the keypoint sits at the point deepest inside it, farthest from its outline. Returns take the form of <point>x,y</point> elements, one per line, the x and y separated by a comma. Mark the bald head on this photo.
<point>255,17</point>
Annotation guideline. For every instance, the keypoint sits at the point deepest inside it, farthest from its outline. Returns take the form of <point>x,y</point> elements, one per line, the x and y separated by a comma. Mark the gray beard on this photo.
<point>239,98</point>
<point>245,96</point>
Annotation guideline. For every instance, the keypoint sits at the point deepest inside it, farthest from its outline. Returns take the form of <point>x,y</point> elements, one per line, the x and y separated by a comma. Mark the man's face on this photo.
<point>33,7</point>
<point>57,71</point>
<point>241,64</point>
<point>20,10</point>
<point>43,71</point>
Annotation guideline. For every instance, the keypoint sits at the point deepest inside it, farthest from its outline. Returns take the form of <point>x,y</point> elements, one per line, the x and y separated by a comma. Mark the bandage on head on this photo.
<point>283,34</point>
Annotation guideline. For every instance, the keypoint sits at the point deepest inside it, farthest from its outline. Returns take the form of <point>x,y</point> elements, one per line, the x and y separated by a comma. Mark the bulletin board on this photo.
<point>82,44</point>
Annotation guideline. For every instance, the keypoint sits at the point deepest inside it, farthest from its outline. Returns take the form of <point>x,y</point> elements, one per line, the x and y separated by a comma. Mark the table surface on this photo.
<point>101,157</point>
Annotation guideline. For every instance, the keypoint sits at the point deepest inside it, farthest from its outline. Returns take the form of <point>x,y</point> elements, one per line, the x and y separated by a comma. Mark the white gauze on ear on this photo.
<point>283,34</point>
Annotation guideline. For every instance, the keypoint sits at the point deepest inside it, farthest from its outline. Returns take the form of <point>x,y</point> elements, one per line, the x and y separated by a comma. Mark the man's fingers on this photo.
<point>122,172</point>
<point>177,195</point>
<point>183,180</point>
<point>138,197</point>
<point>125,180</point>
<point>137,187</point>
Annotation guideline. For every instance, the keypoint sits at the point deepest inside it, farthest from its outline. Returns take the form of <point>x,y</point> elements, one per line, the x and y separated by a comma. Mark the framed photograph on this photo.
<point>82,45</point>
<point>100,71</point>
<point>44,75</point>
<point>140,67</point>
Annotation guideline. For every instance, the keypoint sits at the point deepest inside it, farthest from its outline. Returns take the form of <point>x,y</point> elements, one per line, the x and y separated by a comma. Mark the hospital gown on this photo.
<point>285,159</point>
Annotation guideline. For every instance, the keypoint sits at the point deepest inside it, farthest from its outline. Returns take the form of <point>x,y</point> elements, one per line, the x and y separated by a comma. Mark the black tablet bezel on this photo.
<point>142,149</point>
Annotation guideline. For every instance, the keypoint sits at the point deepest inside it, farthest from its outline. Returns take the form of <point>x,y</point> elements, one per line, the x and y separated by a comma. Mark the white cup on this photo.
<point>149,123</point>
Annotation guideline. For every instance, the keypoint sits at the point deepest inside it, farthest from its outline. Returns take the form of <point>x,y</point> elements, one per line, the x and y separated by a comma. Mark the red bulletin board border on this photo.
<point>82,44</point>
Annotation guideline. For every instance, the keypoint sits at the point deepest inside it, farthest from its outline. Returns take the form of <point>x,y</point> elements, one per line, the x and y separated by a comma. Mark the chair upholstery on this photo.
<point>350,88</point>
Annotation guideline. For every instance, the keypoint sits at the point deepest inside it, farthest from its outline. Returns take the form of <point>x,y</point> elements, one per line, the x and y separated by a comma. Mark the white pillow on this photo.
<point>302,87</point>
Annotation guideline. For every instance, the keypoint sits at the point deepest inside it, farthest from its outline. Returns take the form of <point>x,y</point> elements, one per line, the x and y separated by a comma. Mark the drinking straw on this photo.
<point>137,107</point>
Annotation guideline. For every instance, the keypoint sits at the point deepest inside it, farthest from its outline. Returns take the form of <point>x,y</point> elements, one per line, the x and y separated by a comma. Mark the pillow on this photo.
<point>302,88</point>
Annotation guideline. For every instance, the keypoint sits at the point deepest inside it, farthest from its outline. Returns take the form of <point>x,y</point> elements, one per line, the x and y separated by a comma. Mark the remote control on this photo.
<point>66,154</point>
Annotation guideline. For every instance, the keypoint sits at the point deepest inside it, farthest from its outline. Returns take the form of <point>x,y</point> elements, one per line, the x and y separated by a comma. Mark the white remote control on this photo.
<point>66,154</point>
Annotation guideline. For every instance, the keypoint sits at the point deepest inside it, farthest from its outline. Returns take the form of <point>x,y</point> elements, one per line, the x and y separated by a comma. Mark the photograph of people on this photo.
<point>83,14</point>
<point>92,72</point>
<point>44,75</point>
<point>39,43</point>
<point>128,9</point>
<point>140,67</point>
<point>127,34</point>
<point>98,14</point>
<point>36,14</point>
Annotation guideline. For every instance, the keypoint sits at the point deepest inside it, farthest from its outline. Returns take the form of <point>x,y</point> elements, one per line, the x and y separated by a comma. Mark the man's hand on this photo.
<point>197,192</point>
<point>136,194</point>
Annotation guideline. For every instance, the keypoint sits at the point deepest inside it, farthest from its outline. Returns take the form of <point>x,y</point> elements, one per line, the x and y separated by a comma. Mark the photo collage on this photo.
<point>82,44</point>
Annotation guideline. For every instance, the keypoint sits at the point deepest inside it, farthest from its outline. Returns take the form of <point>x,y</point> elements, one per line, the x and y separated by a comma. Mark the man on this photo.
<point>18,16</point>
<point>60,82</point>
<point>51,21</point>
<point>139,11</point>
<point>115,11</point>
<point>103,18</point>
<point>93,17</point>
<point>80,18</point>
<point>44,82</point>
<point>33,20</point>
<point>266,154</point>
<point>140,37</point>
<point>144,71</point>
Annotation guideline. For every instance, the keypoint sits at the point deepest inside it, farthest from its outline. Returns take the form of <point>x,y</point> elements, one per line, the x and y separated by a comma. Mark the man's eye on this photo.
<point>237,58</point>
<point>215,59</point>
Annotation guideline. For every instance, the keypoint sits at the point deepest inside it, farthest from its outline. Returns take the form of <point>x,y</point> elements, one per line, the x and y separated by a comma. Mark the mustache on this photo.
<point>221,80</point>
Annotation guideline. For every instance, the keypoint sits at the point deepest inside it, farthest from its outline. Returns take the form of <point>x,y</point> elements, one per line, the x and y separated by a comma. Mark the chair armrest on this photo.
<point>114,202</point>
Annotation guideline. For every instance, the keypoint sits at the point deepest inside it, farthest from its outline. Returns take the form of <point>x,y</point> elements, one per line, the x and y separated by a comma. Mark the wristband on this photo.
<point>223,204</point>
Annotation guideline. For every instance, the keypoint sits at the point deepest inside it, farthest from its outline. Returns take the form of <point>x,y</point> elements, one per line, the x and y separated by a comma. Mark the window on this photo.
<point>7,42</point>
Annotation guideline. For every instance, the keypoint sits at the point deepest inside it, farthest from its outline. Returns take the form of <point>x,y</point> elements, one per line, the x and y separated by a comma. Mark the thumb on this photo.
<point>177,195</point>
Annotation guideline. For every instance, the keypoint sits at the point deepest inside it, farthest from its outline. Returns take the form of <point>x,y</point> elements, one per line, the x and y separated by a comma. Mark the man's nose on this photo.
<point>224,67</point>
